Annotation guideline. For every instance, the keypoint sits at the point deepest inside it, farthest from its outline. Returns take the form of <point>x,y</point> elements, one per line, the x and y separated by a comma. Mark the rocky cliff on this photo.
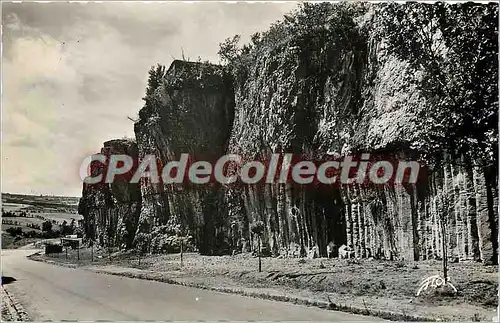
<point>322,82</point>
<point>192,112</point>
<point>111,211</point>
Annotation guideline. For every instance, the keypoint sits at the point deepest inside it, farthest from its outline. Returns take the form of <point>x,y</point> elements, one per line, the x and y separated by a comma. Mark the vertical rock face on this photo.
<point>192,113</point>
<point>111,211</point>
<point>313,94</point>
<point>327,94</point>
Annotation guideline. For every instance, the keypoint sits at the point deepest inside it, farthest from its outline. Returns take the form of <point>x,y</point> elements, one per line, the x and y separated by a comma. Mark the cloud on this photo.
<point>23,141</point>
<point>73,72</point>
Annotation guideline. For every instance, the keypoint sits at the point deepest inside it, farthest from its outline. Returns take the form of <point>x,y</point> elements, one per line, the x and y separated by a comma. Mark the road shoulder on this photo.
<point>11,308</point>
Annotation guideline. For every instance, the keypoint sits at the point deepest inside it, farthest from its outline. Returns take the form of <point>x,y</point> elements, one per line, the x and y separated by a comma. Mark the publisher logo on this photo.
<point>231,169</point>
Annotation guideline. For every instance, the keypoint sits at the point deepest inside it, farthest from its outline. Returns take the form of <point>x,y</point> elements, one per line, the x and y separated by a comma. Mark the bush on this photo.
<point>15,231</point>
<point>171,244</point>
<point>78,232</point>
<point>47,226</point>
<point>31,234</point>
<point>258,227</point>
<point>67,229</point>
<point>8,214</point>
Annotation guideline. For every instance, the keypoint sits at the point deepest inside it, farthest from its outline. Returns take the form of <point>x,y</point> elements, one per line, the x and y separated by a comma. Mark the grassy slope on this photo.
<point>29,204</point>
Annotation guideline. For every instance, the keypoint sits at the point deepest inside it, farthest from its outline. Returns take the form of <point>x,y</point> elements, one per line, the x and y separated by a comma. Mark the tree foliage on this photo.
<point>228,50</point>
<point>257,227</point>
<point>455,48</point>
<point>155,80</point>
<point>156,75</point>
<point>47,226</point>
<point>295,58</point>
<point>67,229</point>
<point>14,231</point>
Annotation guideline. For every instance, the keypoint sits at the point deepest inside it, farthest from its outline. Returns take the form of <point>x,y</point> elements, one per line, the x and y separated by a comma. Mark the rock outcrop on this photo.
<point>314,94</point>
<point>193,114</point>
<point>111,211</point>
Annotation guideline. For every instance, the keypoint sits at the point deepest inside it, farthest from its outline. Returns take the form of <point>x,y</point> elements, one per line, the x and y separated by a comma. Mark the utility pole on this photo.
<point>260,261</point>
<point>445,252</point>
<point>182,250</point>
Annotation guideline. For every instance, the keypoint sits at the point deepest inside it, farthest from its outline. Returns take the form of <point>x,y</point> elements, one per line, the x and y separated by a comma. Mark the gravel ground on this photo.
<point>11,309</point>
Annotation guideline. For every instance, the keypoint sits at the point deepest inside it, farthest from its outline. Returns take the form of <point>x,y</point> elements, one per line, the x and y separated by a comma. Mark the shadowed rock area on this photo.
<point>111,211</point>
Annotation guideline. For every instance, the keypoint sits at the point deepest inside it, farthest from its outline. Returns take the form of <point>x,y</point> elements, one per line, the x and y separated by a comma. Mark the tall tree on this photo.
<point>47,226</point>
<point>156,74</point>
<point>258,229</point>
<point>155,79</point>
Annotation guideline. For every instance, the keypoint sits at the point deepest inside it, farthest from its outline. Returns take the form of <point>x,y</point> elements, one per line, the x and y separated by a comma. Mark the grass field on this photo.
<point>24,221</point>
<point>35,203</point>
<point>61,216</point>
<point>40,216</point>
<point>24,228</point>
<point>37,213</point>
<point>9,242</point>
<point>14,206</point>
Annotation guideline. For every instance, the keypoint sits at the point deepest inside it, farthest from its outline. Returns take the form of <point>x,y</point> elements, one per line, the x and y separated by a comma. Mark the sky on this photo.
<point>72,73</point>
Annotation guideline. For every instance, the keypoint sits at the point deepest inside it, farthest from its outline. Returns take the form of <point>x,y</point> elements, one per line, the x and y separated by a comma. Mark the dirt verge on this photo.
<point>11,308</point>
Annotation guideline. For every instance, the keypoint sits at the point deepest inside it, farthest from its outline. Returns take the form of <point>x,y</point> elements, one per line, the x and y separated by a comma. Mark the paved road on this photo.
<point>51,292</point>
